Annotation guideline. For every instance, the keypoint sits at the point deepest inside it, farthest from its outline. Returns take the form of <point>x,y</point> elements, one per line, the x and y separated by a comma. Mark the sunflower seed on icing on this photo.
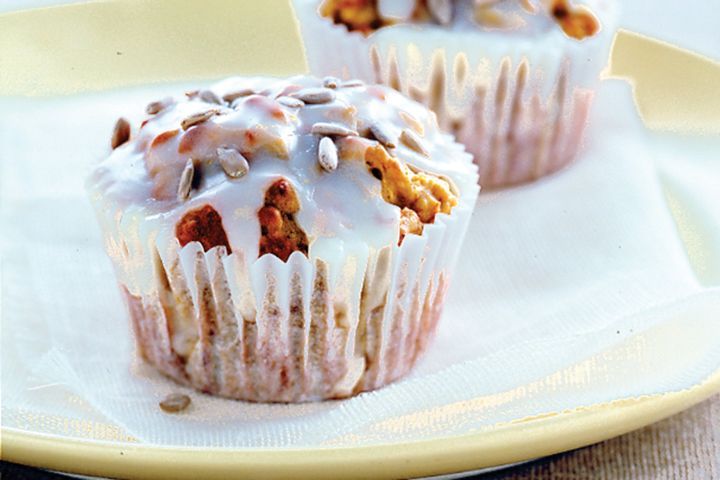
<point>210,97</point>
<point>290,102</point>
<point>383,135</point>
<point>121,133</point>
<point>327,154</point>
<point>490,17</point>
<point>315,95</point>
<point>441,10</point>
<point>331,129</point>
<point>233,163</point>
<point>352,83</point>
<point>196,118</point>
<point>412,122</point>
<point>186,180</point>
<point>231,96</point>
<point>528,6</point>
<point>413,141</point>
<point>331,82</point>
<point>158,106</point>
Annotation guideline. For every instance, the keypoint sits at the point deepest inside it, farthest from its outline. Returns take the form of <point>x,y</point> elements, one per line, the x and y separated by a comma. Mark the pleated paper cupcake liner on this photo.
<point>302,330</point>
<point>519,104</point>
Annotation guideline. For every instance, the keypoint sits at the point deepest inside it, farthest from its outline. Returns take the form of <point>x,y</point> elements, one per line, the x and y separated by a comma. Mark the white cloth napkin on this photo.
<point>571,291</point>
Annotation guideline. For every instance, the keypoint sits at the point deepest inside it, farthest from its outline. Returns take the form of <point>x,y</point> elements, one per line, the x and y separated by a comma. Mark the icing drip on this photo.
<point>349,158</point>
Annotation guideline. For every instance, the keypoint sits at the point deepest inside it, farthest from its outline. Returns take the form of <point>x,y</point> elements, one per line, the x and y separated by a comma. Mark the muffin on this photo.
<point>284,240</point>
<point>512,79</point>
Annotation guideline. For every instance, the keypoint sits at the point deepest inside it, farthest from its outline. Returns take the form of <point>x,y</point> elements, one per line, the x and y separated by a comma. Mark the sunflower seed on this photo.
<point>245,92</point>
<point>158,106</point>
<point>174,403</point>
<point>196,118</point>
<point>232,162</point>
<point>331,82</point>
<point>315,95</point>
<point>327,154</point>
<point>210,97</point>
<point>528,6</point>
<point>412,122</point>
<point>383,135</point>
<point>490,17</point>
<point>121,133</point>
<point>334,129</point>
<point>186,181</point>
<point>441,10</point>
<point>352,83</point>
<point>414,142</point>
<point>290,102</point>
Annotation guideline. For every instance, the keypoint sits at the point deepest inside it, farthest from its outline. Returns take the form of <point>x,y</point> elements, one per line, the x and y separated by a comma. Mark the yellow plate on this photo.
<point>95,46</point>
<point>498,446</point>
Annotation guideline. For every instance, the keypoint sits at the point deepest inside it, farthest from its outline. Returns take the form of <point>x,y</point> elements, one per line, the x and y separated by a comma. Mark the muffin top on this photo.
<point>530,16</point>
<point>279,166</point>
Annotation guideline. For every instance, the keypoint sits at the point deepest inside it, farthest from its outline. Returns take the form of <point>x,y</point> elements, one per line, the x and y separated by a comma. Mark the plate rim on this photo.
<point>494,446</point>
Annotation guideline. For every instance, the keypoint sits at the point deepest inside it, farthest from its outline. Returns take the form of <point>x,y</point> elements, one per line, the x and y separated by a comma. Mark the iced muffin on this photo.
<point>512,79</point>
<point>284,240</point>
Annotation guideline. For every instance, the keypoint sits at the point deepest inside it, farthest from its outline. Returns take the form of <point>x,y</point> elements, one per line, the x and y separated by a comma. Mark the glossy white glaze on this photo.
<point>135,187</point>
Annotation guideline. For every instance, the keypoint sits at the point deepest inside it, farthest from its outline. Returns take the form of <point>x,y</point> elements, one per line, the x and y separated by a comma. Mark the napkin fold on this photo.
<point>571,291</point>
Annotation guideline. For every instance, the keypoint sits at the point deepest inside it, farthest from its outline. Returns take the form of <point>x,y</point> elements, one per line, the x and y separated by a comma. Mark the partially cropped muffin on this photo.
<point>512,79</point>
<point>284,240</point>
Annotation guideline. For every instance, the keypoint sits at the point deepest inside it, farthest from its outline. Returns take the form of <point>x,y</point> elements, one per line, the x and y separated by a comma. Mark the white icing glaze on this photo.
<point>340,211</point>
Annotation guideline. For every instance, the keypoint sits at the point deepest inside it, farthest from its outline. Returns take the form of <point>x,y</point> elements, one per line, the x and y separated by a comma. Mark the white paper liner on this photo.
<point>519,103</point>
<point>271,331</point>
